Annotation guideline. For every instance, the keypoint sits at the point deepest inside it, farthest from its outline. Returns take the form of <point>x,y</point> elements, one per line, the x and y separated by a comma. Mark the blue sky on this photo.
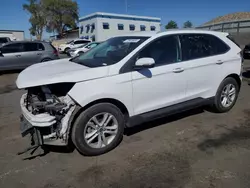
<point>12,15</point>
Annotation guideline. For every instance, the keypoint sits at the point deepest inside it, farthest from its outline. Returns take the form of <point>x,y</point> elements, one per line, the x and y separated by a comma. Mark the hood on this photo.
<point>58,71</point>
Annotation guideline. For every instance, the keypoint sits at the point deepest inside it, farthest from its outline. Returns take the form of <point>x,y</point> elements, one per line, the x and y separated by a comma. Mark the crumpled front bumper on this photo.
<point>32,124</point>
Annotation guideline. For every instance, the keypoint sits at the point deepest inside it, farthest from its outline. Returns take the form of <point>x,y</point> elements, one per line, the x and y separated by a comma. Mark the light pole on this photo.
<point>126,6</point>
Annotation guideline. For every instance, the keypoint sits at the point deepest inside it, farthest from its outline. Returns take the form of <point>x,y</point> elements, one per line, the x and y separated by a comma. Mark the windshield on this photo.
<point>109,52</point>
<point>69,42</point>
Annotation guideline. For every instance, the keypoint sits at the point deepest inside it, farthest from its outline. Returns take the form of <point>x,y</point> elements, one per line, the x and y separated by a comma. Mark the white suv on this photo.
<point>63,48</point>
<point>125,81</point>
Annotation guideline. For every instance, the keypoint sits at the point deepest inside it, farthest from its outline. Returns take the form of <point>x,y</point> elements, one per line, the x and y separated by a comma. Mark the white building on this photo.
<point>12,34</point>
<point>101,26</point>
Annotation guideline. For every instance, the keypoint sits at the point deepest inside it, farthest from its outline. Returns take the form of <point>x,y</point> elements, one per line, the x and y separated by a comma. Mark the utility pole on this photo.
<point>126,6</point>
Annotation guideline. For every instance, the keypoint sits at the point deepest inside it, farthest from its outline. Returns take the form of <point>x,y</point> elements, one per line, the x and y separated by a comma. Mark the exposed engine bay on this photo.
<point>47,110</point>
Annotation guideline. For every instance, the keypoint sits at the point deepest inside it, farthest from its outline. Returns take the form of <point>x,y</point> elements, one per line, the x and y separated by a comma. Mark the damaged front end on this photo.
<point>46,113</point>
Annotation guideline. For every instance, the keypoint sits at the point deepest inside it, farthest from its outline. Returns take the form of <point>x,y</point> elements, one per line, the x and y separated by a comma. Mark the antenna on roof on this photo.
<point>126,6</point>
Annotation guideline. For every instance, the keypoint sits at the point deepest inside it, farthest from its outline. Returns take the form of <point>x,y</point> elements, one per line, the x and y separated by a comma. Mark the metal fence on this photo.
<point>234,27</point>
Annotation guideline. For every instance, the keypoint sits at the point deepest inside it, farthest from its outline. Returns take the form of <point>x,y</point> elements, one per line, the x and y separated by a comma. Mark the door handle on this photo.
<point>178,70</point>
<point>219,62</point>
<point>18,55</point>
<point>39,54</point>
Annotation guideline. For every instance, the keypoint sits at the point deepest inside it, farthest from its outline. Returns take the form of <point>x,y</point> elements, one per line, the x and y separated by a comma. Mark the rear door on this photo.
<point>31,54</point>
<point>11,56</point>
<point>204,56</point>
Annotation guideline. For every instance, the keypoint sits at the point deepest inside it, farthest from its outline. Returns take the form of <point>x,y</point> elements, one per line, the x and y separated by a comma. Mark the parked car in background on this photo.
<point>78,51</point>
<point>125,81</point>
<point>63,48</point>
<point>4,40</point>
<point>74,48</point>
<point>21,54</point>
<point>246,52</point>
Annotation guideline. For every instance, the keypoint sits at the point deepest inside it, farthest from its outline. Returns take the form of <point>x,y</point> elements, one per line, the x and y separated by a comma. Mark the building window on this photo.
<point>120,27</point>
<point>81,29</point>
<point>105,25</point>
<point>87,28</point>
<point>92,27</point>
<point>131,27</point>
<point>143,28</point>
<point>152,28</point>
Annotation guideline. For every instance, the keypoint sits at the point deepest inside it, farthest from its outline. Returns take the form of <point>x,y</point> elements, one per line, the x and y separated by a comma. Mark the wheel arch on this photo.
<point>79,109</point>
<point>46,59</point>
<point>236,77</point>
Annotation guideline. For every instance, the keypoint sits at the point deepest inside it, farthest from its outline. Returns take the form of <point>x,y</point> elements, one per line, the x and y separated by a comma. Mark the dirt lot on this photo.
<point>192,149</point>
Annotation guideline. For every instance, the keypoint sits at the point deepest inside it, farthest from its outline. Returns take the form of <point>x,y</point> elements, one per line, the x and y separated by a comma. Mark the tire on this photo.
<point>81,129</point>
<point>66,50</point>
<point>80,53</point>
<point>218,105</point>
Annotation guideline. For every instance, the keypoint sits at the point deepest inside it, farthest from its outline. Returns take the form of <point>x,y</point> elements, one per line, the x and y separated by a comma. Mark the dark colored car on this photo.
<point>21,54</point>
<point>4,40</point>
<point>246,52</point>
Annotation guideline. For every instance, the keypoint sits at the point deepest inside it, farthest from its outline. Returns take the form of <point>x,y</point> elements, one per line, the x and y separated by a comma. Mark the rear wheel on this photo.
<point>226,95</point>
<point>80,53</point>
<point>98,129</point>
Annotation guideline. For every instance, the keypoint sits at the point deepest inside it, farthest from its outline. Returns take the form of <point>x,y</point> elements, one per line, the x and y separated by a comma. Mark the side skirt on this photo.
<point>170,110</point>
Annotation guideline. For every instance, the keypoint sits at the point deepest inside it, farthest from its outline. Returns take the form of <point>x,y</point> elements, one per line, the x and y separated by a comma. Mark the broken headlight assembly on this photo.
<point>46,112</point>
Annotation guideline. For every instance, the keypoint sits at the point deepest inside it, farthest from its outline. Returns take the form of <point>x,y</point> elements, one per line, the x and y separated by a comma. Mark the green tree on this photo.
<point>187,24</point>
<point>60,15</point>
<point>37,18</point>
<point>171,25</point>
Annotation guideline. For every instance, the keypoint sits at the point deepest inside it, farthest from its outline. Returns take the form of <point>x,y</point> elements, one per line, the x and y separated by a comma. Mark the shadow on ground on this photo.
<point>238,135</point>
<point>163,169</point>
<point>2,73</point>
<point>48,149</point>
<point>7,88</point>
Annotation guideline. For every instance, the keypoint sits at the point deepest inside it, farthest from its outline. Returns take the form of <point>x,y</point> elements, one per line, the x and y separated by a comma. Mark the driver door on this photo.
<point>163,85</point>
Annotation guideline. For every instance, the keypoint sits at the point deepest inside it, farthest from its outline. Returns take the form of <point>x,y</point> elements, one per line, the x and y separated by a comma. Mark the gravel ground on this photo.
<point>192,149</point>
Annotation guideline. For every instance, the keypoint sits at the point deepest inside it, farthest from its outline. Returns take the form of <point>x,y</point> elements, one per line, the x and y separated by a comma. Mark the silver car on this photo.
<point>21,54</point>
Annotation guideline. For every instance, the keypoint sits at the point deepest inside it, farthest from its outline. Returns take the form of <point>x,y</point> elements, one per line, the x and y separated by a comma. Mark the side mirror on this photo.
<point>145,62</point>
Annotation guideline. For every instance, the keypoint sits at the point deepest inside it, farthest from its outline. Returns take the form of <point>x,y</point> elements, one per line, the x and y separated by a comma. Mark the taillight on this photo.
<point>56,52</point>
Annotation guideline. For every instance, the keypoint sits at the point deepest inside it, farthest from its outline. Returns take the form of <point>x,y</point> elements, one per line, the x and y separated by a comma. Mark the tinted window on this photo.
<point>4,40</point>
<point>201,45</point>
<point>81,42</point>
<point>164,50</point>
<point>12,48</point>
<point>30,47</point>
<point>40,47</point>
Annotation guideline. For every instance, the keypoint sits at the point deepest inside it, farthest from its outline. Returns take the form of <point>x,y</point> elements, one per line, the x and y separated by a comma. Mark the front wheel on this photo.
<point>80,53</point>
<point>98,129</point>
<point>226,95</point>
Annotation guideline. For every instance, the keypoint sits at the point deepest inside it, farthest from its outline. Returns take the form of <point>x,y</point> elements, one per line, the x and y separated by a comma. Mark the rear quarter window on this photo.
<point>196,46</point>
